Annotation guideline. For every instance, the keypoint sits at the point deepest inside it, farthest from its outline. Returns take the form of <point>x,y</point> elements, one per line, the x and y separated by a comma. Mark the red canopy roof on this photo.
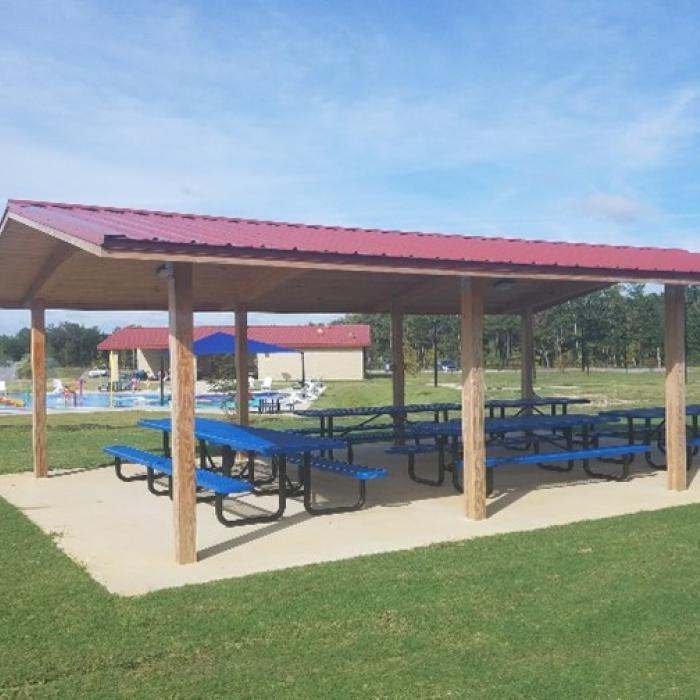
<point>340,336</point>
<point>129,229</point>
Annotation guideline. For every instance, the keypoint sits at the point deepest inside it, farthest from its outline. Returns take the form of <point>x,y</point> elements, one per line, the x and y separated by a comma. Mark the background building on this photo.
<point>326,351</point>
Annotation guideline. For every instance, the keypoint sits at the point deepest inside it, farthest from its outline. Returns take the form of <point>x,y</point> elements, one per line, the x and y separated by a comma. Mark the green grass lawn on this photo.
<point>603,609</point>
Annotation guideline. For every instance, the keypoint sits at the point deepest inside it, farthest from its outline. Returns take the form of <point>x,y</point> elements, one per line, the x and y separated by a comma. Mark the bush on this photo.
<point>24,367</point>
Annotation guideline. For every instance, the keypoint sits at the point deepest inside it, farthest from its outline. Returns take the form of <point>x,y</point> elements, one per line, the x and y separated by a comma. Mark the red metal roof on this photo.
<point>131,229</point>
<point>340,336</point>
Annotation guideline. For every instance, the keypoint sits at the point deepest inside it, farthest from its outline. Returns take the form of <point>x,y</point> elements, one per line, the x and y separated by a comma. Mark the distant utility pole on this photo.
<point>435,355</point>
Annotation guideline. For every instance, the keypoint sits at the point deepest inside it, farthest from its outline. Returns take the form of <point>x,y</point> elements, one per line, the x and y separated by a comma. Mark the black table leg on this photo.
<point>648,437</point>
<point>330,434</point>
<point>271,517</point>
<point>228,457</point>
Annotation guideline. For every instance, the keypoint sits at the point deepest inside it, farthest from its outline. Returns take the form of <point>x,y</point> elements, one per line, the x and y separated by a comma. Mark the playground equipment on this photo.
<point>69,395</point>
<point>15,403</point>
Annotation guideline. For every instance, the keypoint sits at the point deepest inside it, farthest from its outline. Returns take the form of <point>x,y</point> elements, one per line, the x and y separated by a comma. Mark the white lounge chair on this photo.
<point>266,384</point>
<point>3,386</point>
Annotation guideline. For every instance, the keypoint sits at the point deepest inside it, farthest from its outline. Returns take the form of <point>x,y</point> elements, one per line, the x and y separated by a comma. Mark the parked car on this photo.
<point>98,372</point>
<point>448,366</point>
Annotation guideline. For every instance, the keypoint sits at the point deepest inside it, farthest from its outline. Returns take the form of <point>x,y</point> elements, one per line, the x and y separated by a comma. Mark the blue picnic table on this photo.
<point>535,404</point>
<point>399,414</point>
<point>513,424</point>
<point>529,430</point>
<point>273,444</point>
<point>653,420</point>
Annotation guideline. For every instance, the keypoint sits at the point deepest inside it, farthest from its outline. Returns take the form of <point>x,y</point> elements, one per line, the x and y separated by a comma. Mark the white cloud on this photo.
<point>652,137</point>
<point>617,208</point>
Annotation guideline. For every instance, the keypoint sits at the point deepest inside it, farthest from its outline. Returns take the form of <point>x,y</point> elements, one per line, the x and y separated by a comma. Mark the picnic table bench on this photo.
<point>625,453</point>
<point>220,485</point>
<point>653,432</point>
<point>400,414</point>
<point>354,471</point>
<point>369,414</point>
<point>281,447</point>
<point>534,430</point>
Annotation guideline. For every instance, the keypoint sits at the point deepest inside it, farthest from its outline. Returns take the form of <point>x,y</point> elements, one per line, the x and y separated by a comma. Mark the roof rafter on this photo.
<point>60,254</point>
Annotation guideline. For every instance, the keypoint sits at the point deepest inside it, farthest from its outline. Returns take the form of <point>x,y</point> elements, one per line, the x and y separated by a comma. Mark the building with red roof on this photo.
<point>331,352</point>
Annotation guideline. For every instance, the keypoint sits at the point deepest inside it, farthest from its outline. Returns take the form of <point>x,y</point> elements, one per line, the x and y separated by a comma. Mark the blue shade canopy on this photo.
<point>225,344</point>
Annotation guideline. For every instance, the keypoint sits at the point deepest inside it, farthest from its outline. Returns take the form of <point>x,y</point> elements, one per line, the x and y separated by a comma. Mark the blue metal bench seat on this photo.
<point>411,451</point>
<point>392,435</point>
<point>625,453</point>
<point>132,455</point>
<point>220,485</point>
<point>355,471</point>
<point>302,431</point>
<point>584,455</point>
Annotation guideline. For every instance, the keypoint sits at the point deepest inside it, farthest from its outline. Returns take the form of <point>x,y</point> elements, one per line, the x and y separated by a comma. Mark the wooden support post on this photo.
<point>527,355</point>
<point>182,391</point>
<point>676,474</point>
<point>398,372</point>
<point>113,375</point>
<point>38,352</point>
<point>473,436</point>
<point>242,392</point>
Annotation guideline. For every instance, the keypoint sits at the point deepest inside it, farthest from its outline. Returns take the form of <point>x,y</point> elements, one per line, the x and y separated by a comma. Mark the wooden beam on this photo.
<point>406,292</point>
<point>93,248</point>
<point>473,436</point>
<point>272,281</point>
<point>544,297</point>
<point>527,355</point>
<point>451,269</point>
<point>183,389</point>
<point>60,254</point>
<point>674,322</point>
<point>242,366</point>
<point>38,353</point>
<point>398,369</point>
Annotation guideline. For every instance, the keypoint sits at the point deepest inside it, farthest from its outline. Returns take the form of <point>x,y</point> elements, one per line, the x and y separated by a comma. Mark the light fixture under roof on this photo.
<point>504,285</point>
<point>165,272</point>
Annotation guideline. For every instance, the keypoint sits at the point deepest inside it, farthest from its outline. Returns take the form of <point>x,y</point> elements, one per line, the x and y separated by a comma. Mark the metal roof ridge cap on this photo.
<point>141,244</point>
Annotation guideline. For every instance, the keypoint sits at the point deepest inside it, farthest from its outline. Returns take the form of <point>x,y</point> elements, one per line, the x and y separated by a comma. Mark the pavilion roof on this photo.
<point>121,229</point>
<point>75,256</point>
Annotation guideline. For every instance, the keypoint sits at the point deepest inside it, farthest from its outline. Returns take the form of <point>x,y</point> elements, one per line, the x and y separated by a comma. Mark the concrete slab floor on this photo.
<point>123,535</point>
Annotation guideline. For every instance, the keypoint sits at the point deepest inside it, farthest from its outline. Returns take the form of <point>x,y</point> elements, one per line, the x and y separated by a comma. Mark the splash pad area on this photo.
<point>21,402</point>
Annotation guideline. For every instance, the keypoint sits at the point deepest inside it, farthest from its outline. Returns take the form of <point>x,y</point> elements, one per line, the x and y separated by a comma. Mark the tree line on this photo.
<point>621,326</point>
<point>67,345</point>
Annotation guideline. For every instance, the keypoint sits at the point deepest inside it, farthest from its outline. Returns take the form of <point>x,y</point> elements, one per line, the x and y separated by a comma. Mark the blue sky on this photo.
<point>557,120</point>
